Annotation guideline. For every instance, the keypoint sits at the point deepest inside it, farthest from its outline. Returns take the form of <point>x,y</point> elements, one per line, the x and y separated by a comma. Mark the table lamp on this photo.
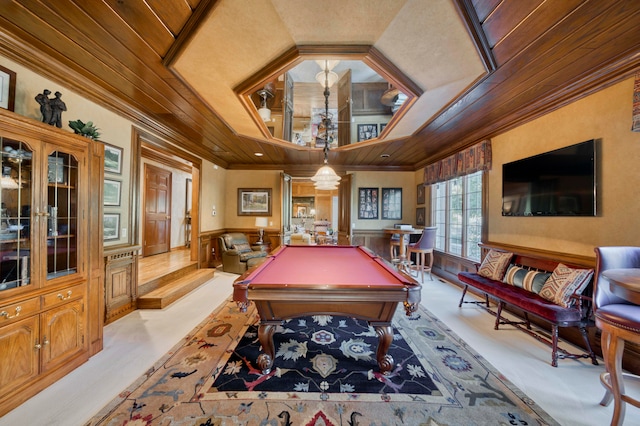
<point>261,223</point>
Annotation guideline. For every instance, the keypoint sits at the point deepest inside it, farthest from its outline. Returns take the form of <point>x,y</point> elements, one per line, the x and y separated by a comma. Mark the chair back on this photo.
<point>612,258</point>
<point>427,239</point>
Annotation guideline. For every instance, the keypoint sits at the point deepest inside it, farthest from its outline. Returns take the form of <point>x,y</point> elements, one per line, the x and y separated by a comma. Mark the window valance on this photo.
<point>467,161</point>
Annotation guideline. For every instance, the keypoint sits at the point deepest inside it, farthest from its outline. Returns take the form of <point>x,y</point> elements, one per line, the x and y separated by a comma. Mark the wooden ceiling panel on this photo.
<point>173,14</point>
<point>141,18</point>
<point>505,18</point>
<point>548,53</point>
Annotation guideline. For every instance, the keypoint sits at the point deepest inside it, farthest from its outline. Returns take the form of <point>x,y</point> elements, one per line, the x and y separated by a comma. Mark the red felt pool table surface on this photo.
<point>326,280</point>
<point>325,266</point>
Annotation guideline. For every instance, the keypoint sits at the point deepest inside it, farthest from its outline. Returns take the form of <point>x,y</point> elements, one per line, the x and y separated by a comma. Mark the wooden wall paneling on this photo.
<point>121,281</point>
<point>95,291</point>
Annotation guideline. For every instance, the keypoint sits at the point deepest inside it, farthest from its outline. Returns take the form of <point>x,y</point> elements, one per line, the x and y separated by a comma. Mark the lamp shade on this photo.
<point>261,222</point>
<point>325,174</point>
<point>265,113</point>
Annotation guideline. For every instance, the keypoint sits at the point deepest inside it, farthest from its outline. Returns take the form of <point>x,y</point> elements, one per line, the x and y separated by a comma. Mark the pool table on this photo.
<point>347,281</point>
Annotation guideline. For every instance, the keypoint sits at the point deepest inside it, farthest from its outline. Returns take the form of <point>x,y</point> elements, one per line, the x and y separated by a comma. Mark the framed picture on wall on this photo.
<point>111,192</point>
<point>7,88</point>
<point>420,216</point>
<point>367,131</point>
<point>111,226</point>
<point>112,159</point>
<point>392,203</point>
<point>420,194</point>
<point>254,201</point>
<point>368,203</point>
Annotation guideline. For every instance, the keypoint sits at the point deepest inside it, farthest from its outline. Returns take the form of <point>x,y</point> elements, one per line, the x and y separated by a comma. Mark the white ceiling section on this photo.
<point>239,38</point>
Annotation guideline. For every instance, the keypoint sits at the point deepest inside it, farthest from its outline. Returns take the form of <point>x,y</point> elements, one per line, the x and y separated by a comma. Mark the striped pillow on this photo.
<point>563,283</point>
<point>494,264</point>
<point>525,278</point>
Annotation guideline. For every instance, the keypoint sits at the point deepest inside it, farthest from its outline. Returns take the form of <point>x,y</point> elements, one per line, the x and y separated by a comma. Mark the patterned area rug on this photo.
<point>325,373</point>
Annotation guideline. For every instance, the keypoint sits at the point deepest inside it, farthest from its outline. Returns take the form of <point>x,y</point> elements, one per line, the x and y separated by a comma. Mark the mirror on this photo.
<point>367,96</point>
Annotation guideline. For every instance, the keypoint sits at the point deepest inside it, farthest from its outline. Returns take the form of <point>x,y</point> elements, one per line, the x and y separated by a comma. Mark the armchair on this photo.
<point>237,253</point>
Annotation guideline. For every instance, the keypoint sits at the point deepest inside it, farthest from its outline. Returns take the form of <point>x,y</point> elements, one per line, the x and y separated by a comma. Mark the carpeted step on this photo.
<point>169,293</point>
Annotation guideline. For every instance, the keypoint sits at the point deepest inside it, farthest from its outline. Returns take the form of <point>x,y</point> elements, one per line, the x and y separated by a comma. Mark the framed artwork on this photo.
<point>420,194</point>
<point>112,159</point>
<point>382,126</point>
<point>254,201</point>
<point>420,212</point>
<point>111,226</point>
<point>112,192</point>
<point>7,88</point>
<point>367,131</point>
<point>368,203</point>
<point>392,203</point>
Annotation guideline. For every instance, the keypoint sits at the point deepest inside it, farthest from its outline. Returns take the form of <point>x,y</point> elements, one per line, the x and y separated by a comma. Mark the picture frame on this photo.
<point>382,126</point>
<point>112,159</point>
<point>392,203</point>
<point>112,191</point>
<point>7,88</point>
<point>254,201</point>
<point>420,194</point>
<point>367,131</point>
<point>368,203</point>
<point>111,226</point>
<point>420,216</point>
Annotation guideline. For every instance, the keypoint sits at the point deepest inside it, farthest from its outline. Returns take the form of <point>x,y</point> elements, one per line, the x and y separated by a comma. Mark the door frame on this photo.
<point>151,147</point>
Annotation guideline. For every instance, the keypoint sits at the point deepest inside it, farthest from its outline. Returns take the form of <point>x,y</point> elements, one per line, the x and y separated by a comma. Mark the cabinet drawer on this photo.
<point>62,296</point>
<point>15,311</point>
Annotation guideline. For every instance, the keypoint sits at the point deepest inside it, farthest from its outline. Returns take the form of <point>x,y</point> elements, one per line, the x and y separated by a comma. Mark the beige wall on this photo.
<point>212,193</point>
<point>250,179</point>
<point>605,115</point>
<point>113,129</point>
<point>404,180</point>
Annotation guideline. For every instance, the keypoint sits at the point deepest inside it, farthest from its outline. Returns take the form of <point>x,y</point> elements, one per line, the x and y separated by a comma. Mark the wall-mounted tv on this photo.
<point>557,183</point>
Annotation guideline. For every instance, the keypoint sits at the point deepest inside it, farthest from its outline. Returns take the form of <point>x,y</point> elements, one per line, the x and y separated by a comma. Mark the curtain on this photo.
<point>470,160</point>
<point>635,125</point>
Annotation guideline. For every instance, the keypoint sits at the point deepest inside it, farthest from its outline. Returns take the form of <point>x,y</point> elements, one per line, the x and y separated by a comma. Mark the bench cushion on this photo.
<point>564,282</point>
<point>526,278</point>
<point>495,264</point>
<point>523,299</point>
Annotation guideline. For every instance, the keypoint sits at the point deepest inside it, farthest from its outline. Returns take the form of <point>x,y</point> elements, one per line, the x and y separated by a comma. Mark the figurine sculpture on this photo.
<point>51,108</point>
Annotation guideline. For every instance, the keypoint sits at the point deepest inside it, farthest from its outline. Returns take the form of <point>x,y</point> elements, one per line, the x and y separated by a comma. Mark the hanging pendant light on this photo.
<point>326,178</point>
<point>264,111</point>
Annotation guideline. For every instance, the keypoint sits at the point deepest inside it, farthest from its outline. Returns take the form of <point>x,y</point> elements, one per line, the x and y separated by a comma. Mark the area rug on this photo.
<point>324,373</point>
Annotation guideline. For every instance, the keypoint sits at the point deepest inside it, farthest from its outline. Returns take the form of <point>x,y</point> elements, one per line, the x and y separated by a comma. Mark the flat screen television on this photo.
<point>557,183</point>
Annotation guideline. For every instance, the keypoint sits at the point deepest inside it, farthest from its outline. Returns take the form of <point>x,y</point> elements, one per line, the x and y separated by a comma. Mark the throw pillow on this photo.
<point>494,264</point>
<point>241,248</point>
<point>530,280</point>
<point>563,283</point>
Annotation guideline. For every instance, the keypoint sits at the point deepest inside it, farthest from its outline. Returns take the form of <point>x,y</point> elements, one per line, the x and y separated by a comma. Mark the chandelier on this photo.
<point>326,178</point>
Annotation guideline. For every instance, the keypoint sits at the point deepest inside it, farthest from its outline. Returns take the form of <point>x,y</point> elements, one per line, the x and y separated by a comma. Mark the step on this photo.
<point>169,293</point>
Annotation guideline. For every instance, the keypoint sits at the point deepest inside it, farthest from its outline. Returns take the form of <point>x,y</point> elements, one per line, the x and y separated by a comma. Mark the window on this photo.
<point>457,212</point>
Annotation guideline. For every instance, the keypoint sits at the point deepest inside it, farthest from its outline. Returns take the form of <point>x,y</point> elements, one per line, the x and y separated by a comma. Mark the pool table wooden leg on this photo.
<point>385,336</point>
<point>265,335</point>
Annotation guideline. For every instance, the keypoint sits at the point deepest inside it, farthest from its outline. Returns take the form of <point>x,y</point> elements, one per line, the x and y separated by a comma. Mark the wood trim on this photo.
<point>469,16</point>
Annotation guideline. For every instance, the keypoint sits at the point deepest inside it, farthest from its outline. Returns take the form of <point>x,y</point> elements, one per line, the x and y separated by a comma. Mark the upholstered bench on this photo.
<point>552,291</point>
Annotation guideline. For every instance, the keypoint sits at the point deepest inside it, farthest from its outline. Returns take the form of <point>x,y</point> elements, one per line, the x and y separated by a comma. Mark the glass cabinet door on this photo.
<point>62,215</point>
<point>16,200</point>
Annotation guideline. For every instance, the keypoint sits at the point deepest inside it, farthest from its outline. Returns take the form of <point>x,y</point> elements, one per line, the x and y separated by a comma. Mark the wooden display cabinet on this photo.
<point>45,261</point>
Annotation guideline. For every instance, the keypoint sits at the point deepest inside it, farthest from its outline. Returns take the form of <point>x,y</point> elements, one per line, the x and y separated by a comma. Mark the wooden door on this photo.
<point>344,109</point>
<point>157,211</point>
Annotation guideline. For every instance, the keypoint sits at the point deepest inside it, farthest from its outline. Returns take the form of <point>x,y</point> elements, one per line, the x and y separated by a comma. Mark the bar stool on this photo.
<point>421,248</point>
<point>619,321</point>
